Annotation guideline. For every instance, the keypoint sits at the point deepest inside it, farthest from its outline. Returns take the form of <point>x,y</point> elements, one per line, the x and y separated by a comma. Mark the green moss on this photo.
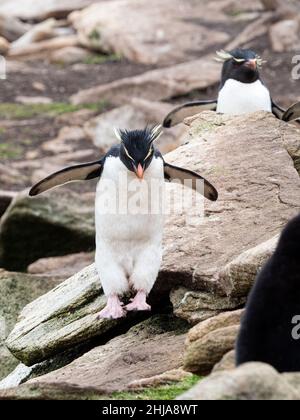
<point>95,35</point>
<point>20,111</point>
<point>8,151</point>
<point>206,127</point>
<point>166,392</point>
<point>102,58</point>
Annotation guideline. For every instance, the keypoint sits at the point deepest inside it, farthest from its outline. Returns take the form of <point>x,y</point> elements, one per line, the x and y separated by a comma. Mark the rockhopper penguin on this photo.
<point>270,329</point>
<point>241,91</point>
<point>128,243</point>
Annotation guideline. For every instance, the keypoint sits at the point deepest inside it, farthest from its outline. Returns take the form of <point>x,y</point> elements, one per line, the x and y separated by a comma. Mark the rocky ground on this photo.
<point>75,70</point>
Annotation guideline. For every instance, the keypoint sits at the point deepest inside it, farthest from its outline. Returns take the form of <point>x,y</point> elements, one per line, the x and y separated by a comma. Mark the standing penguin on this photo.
<point>128,243</point>
<point>270,327</point>
<point>241,91</point>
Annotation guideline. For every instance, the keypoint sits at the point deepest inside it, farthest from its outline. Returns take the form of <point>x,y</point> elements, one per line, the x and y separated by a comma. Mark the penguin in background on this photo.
<point>128,245</point>
<point>270,329</point>
<point>241,91</point>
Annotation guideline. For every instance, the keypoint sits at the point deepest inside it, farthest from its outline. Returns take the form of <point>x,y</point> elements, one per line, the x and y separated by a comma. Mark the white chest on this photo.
<point>237,98</point>
<point>128,210</point>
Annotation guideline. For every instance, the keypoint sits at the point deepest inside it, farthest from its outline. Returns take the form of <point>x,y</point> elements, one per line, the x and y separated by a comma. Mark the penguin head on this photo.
<point>137,150</point>
<point>241,65</point>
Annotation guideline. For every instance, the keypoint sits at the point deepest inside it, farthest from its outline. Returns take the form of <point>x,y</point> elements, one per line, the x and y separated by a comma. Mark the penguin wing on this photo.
<point>82,172</point>
<point>292,113</point>
<point>188,110</point>
<point>174,173</point>
<point>277,110</point>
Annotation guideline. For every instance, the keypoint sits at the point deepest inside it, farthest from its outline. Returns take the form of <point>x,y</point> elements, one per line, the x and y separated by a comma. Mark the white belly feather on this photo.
<point>237,98</point>
<point>128,241</point>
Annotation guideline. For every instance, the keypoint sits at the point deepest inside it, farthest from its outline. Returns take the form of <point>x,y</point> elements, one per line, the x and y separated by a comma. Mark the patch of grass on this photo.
<point>101,58</point>
<point>166,392</point>
<point>15,111</point>
<point>9,152</point>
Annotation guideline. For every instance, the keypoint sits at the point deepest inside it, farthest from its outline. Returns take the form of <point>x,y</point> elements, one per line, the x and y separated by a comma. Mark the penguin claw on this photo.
<point>108,313</point>
<point>113,310</point>
<point>138,307</point>
<point>138,303</point>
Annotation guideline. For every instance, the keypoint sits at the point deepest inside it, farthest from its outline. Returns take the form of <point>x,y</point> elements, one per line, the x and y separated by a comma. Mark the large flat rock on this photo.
<point>246,159</point>
<point>41,9</point>
<point>147,349</point>
<point>164,32</point>
<point>155,85</point>
<point>16,291</point>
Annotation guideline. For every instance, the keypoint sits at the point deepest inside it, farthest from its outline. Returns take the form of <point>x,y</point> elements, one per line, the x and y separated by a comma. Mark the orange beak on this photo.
<point>139,171</point>
<point>252,64</point>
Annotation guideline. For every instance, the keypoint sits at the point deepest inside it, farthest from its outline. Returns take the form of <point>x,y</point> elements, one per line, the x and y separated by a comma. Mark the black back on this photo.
<point>267,328</point>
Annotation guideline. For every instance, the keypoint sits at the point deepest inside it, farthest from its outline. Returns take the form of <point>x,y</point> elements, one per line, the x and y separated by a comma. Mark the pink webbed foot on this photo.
<point>139,303</point>
<point>113,309</point>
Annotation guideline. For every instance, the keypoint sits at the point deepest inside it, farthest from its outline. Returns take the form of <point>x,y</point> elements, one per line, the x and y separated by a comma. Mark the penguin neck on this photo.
<point>245,77</point>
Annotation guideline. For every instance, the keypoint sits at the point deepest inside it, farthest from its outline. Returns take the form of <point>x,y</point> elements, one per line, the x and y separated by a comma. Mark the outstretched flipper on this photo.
<point>292,113</point>
<point>188,110</point>
<point>277,110</point>
<point>173,173</point>
<point>82,172</point>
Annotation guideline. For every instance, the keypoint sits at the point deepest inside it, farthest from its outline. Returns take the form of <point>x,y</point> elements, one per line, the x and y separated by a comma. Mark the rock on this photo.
<point>194,306</point>
<point>49,392</point>
<point>4,46</point>
<point>223,320</point>
<point>40,32</point>
<point>59,320</point>
<point>66,266</point>
<point>33,100</point>
<point>152,347</point>
<point>11,28</point>
<point>40,9</point>
<point>6,198</point>
<point>69,55</point>
<point>39,86</point>
<point>203,354</point>
<point>255,29</point>
<point>284,35</point>
<point>155,85</point>
<point>66,141</point>
<point>263,192</point>
<point>270,4</point>
<point>15,378</point>
<point>166,378</point>
<point>10,176</point>
<point>137,114</point>
<point>238,277</point>
<point>226,363</point>
<point>253,381</point>
<point>160,32</point>
<point>58,223</point>
<point>42,49</point>
<point>76,118</point>
<point>42,167</point>
<point>17,290</point>
<point>293,378</point>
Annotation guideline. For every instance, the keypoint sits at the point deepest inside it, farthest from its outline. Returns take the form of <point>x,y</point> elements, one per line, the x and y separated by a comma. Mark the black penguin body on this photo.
<point>269,331</point>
